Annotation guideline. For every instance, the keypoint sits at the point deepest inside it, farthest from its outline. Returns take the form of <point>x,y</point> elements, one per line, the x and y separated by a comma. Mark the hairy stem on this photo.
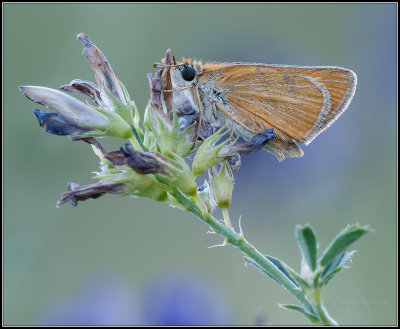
<point>227,219</point>
<point>325,318</point>
<point>241,243</point>
<point>313,304</point>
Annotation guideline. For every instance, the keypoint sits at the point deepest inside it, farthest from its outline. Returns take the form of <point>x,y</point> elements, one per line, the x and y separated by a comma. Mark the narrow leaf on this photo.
<point>341,242</point>
<point>329,276</point>
<point>332,265</point>
<point>280,279</point>
<point>336,265</point>
<point>308,245</point>
<point>281,266</point>
<point>340,260</point>
<point>303,283</point>
<point>346,258</point>
<point>283,280</point>
<point>297,308</point>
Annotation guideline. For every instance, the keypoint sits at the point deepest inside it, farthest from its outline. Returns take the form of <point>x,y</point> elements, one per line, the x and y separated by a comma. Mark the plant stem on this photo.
<point>227,220</point>
<point>325,318</point>
<point>195,206</point>
<point>241,243</point>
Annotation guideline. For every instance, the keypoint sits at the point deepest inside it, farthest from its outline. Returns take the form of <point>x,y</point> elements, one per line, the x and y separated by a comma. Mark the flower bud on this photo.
<point>207,154</point>
<point>222,185</point>
<point>66,106</point>
<point>55,124</point>
<point>254,144</point>
<point>180,174</point>
<point>109,93</point>
<point>104,74</point>
<point>81,193</point>
<point>142,162</point>
<point>169,137</point>
<point>85,87</point>
<point>97,122</point>
<point>138,184</point>
<point>143,185</point>
<point>207,197</point>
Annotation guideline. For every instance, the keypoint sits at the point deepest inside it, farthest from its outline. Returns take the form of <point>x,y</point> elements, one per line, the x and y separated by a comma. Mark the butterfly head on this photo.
<point>186,72</point>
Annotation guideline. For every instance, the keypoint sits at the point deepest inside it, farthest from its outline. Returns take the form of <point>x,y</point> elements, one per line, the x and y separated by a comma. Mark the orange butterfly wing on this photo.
<point>298,102</point>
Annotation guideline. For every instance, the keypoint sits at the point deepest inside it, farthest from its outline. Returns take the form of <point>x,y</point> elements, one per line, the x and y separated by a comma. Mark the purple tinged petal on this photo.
<point>234,162</point>
<point>66,106</point>
<point>91,141</point>
<point>85,87</point>
<point>166,73</point>
<point>103,72</point>
<point>80,193</point>
<point>55,124</point>
<point>155,91</point>
<point>73,186</point>
<point>254,144</point>
<point>142,162</point>
<point>116,157</point>
<point>162,81</point>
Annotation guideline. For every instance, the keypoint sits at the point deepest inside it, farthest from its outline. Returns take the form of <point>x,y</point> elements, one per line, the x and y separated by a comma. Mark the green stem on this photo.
<point>325,318</point>
<point>241,243</point>
<point>196,200</point>
<point>227,219</point>
<point>195,206</point>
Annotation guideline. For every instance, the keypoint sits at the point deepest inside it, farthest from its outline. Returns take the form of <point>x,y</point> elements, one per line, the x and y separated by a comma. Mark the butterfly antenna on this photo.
<point>162,65</point>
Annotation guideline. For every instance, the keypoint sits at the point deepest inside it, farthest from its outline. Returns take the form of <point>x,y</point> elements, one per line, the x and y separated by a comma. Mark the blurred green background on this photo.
<point>347,175</point>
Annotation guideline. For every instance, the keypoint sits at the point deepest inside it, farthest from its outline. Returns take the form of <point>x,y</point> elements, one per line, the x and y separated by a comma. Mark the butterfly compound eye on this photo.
<point>188,73</point>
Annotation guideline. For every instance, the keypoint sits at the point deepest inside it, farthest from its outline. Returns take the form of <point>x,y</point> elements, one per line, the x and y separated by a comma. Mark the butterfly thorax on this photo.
<point>209,92</point>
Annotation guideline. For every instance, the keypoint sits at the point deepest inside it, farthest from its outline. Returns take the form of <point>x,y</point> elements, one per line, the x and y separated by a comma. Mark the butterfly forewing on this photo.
<point>299,102</point>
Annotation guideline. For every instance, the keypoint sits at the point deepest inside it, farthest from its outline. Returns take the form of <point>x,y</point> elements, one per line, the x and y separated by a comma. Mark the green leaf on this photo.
<point>285,281</point>
<point>308,245</point>
<point>329,276</point>
<point>341,242</point>
<point>332,265</point>
<point>314,319</point>
<point>336,265</point>
<point>341,260</point>
<point>303,283</point>
<point>346,258</point>
<point>282,267</point>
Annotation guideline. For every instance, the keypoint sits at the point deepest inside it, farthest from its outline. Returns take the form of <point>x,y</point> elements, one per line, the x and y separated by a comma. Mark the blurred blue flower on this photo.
<point>105,300</point>
<point>185,300</point>
<point>101,300</point>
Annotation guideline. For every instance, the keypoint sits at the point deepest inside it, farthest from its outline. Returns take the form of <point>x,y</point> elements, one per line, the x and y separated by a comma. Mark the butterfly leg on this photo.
<point>200,107</point>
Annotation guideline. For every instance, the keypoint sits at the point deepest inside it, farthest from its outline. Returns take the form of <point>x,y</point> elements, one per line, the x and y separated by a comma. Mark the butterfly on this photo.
<point>298,102</point>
